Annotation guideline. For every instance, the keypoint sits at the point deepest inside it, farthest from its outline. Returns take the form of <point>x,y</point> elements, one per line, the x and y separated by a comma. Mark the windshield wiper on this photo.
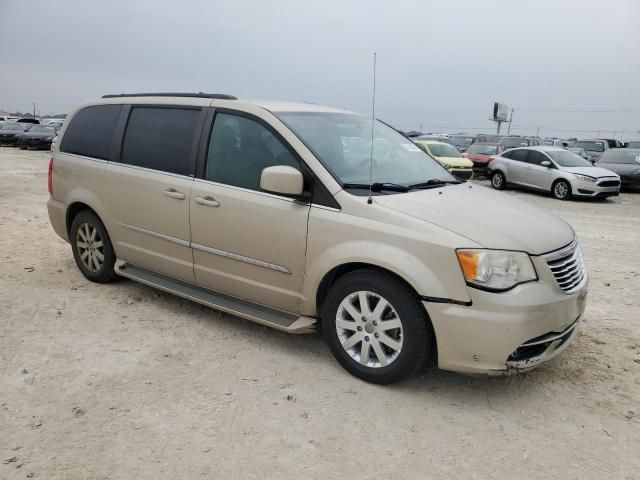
<point>378,186</point>
<point>434,182</point>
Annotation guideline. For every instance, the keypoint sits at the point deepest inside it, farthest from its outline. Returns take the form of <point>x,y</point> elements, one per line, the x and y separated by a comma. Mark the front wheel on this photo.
<point>376,327</point>
<point>498,180</point>
<point>561,190</point>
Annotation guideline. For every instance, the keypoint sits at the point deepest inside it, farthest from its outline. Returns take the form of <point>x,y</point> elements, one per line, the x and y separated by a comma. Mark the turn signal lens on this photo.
<point>496,270</point>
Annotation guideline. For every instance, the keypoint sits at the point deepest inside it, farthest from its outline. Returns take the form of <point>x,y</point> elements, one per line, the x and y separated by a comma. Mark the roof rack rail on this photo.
<point>218,96</point>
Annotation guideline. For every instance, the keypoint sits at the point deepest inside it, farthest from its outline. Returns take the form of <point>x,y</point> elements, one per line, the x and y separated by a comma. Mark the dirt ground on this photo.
<point>121,381</point>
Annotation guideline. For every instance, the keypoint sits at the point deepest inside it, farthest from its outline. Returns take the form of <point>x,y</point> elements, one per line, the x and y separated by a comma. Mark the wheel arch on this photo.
<point>341,270</point>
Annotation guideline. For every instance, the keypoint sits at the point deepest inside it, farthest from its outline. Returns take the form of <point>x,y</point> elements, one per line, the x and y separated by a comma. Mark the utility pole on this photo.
<point>510,120</point>
<point>538,132</point>
<point>34,110</point>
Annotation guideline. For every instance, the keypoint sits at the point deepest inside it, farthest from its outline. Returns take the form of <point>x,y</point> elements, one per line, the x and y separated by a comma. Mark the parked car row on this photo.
<point>28,135</point>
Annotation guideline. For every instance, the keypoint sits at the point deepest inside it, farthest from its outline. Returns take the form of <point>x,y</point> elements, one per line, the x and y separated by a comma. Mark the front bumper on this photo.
<point>603,188</point>
<point>491,335</point>
<point>481,169</point>
<point>13,140</point>
<point>34,143</point>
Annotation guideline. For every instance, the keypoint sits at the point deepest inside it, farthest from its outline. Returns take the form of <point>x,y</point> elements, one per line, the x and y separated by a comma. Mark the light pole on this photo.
<point>510,120</point>
<point>34,109</point>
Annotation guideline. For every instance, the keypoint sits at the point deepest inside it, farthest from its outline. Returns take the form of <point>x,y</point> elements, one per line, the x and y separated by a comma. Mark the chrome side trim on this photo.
<point>240,258</point>
<point>168,238</point>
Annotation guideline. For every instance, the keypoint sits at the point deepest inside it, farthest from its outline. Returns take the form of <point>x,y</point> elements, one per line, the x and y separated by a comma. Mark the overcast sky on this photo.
<point>571,67</point>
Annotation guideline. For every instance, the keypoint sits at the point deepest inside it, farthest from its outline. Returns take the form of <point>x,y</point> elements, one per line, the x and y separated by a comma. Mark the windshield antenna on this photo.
<point>373,119</point>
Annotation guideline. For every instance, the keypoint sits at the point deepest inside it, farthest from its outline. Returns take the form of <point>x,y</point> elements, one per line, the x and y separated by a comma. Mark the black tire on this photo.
<point>105,273</point>
<point>561,189</point>
<point>418,344</point>
<point>22,147</point>
<point>498,180</point>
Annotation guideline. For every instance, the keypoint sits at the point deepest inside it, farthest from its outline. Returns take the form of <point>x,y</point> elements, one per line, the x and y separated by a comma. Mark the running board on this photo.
<point>220,301</point>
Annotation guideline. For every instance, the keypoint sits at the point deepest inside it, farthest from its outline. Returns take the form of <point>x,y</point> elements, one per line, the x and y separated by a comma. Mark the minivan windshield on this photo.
<point>590,146</point>
<point>342,142</point>
<point>565,158</point>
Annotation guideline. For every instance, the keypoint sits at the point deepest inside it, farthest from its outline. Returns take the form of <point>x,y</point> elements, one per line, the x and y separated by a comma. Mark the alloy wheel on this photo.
<point>369,329</point>
<point>561,190</point>
<point>90,247</point>
<point>497,180</point>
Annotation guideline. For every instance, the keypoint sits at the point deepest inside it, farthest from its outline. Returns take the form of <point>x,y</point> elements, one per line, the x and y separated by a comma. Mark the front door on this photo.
<point>540,176</point>
<point>246,242</point>
<point>150,189</point>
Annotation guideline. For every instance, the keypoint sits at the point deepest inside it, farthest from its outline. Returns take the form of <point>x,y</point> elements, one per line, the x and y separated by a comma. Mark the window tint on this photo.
<point>518,155</point>
<point>240,148</point>
<point>91,131</point>
<point>161,139</point>
<point>536,158</point>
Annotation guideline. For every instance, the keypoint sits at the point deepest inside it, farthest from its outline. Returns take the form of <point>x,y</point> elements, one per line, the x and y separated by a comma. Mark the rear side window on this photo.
<point>161,139</point>
<point>91,131</point>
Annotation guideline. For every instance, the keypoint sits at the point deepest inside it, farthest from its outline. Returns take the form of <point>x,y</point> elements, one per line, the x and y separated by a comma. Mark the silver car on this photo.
<point>555,170</point>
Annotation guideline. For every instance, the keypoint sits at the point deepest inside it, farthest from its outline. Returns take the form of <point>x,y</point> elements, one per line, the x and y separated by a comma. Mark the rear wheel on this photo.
<point>498,180</point>
<point>376,327</point>
<point>92,249</point>
<point>561,190</point>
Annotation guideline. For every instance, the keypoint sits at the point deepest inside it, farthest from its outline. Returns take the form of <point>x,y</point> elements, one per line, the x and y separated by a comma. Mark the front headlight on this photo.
<point>496,270</point>
<point>584,178</point>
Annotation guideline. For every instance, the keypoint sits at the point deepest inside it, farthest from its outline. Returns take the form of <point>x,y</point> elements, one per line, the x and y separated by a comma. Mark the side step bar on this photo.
<point>226,303</point>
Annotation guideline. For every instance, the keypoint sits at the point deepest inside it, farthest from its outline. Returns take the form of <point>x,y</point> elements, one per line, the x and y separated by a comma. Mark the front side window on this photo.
<point>90,132</point>
<point>535,158</point>
<point>240,148</point>
<point>518,155</point>
<point>342,142</point>
<point>161,139</point>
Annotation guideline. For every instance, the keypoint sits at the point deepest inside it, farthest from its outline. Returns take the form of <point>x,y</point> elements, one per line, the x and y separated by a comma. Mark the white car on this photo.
<point>555,170</point>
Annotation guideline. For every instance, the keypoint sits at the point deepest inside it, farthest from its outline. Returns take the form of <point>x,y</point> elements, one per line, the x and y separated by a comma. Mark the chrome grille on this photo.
<point>568,268</point>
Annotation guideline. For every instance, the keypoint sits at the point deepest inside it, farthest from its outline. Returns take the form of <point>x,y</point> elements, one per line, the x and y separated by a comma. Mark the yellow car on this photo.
<point>449,157</point>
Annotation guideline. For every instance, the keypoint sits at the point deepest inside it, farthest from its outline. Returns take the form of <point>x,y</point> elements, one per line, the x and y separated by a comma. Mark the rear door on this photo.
<point>247,242</point>
<point>516,169</point>
<point>150,187</point>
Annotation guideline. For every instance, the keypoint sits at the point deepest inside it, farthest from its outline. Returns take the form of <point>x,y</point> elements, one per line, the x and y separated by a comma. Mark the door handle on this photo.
<point>207,201</point>
<point>173,193</point>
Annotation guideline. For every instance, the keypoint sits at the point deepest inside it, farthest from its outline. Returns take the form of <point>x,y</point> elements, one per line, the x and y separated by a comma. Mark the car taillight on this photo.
<point>50,177</point>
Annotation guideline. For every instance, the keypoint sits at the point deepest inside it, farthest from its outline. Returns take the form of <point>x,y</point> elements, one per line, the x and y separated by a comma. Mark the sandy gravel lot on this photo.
<point>124,382</point>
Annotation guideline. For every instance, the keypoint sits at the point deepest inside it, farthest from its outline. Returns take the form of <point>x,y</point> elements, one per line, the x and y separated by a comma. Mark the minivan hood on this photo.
<point>595,172</point>
<point>492,219</point>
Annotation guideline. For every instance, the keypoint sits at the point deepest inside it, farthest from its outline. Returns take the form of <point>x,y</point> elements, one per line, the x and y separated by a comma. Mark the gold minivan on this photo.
<point>307,218</point>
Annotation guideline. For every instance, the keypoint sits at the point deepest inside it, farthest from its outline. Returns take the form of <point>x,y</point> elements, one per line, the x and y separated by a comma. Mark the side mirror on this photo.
<point>545,163</point>
<point>282,179</point>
